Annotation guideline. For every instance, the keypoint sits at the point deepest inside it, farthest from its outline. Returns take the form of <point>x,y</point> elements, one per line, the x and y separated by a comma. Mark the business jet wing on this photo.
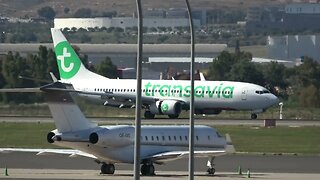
<point>174,155</point>
<point>70,152</point>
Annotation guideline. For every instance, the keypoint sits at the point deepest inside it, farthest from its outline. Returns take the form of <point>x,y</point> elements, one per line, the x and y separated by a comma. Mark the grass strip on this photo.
<point>301,140</point>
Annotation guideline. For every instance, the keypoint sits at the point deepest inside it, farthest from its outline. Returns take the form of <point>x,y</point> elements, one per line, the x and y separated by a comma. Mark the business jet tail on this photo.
<point>66,114</point>
<point>70,67</point>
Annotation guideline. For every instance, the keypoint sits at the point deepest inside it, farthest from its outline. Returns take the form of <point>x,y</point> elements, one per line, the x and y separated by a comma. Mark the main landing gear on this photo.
<point>254,116</point>
<point>147,170</point>
<point>211,170</point>
<point>107,168</point>
<point>148,115</point>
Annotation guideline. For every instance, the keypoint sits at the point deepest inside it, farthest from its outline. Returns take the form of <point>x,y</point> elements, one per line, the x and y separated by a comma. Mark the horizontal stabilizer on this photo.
<point>34,79</point>
<point>21,90</point>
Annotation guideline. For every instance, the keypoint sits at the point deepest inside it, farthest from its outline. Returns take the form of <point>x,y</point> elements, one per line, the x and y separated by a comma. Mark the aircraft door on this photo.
<point>244,94</point>
<point>162,138</point>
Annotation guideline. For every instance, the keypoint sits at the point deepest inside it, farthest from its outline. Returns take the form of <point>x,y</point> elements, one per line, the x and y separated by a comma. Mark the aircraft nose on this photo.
<point>273,99</point>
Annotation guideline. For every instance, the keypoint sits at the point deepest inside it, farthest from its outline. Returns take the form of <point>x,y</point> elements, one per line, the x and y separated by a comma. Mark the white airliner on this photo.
<point>115,144</point>
<point>168,97</point>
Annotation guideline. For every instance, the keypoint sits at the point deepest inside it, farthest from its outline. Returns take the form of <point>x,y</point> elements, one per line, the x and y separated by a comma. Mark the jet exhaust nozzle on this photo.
<point>93,138</point>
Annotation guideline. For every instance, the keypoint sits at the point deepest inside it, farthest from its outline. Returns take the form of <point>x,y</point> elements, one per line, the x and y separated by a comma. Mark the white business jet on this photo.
<point>109,145</point>
<point>168,97</point>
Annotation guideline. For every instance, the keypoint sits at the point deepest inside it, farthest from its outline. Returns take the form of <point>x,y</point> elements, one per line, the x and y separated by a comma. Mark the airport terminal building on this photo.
<point>290,47</point>
<point>122,22</point>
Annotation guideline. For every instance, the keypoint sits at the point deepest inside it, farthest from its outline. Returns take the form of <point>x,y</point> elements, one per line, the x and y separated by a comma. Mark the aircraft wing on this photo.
<point>174,155</point>
<point>70,152</point>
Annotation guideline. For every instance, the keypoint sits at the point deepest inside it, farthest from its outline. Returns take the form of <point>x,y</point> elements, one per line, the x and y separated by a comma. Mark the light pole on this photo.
<point>138,95</point>
<point>280,112</point>
<point>191,118</point>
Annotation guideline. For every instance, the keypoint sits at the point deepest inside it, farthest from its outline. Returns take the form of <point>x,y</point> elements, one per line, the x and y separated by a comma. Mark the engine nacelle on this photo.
<point>167,107</point>
<point>115,137</point>
<point>69,137</point>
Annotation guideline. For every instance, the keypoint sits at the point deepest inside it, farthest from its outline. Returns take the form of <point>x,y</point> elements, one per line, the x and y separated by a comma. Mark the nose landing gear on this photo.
<point>211,170</point>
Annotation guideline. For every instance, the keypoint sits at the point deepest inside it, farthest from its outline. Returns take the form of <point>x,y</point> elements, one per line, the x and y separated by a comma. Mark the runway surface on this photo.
<point>209,122</point>
<point>124,175</point>
<point>28,165</point>
<point>229,163</point>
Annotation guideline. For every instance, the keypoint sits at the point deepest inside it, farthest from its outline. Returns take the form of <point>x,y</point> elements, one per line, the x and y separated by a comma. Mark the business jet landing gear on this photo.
<point>211,170</point>
<point>254,116</point>
<point>148,115</point>
<point>107,168</point>
<point>147,170</point>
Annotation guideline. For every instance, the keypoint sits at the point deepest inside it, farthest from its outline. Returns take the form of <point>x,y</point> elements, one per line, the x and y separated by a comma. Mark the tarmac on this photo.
<point>30,166</point>
<point>122,174</point>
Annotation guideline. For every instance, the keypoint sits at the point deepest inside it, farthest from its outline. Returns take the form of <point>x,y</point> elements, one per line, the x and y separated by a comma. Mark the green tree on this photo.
<point>107,68</point>
<point>14,66</point>
<point>2,37</point>
<point>109,14</point>
<point>47,12</point>
<point>309,73</point>
<point>39,64</point>
<point>310,96</point>
<point>274,74</point>
<point>66,10</point>
<point>221,66</point>
<point>246,71</point>
<point>52,63</point>
<point>83,13</point>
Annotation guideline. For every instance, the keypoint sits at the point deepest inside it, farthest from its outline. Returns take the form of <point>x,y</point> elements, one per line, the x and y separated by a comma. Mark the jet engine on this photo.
<point>167,107</point>
<point>68,137</point>
<point>112,137</point>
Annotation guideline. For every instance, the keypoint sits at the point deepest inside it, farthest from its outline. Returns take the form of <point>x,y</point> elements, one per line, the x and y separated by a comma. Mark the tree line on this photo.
<point>298,85</point>
<point>32,70</point>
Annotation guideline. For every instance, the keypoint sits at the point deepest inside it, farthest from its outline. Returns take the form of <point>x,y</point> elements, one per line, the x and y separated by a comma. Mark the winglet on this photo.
<point>53,77</point>
<point>202,78</point>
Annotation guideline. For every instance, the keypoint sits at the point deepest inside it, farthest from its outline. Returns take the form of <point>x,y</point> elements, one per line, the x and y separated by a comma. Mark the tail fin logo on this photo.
<point>68,61</point>
<point>61,58</point>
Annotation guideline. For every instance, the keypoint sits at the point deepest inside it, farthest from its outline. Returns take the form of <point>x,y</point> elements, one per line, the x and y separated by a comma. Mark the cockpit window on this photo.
<point>266,91</point>
<point>218,135</point>
<point>263,92</point>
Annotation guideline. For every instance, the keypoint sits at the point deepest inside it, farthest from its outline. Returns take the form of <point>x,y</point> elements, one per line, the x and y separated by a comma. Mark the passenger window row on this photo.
<point>172,91</point>
<point>168,138</point>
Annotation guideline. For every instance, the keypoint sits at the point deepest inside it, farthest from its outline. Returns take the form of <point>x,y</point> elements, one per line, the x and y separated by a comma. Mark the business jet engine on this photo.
<point>55,136</point>
<point>167,107</point>
<point>115,137</point>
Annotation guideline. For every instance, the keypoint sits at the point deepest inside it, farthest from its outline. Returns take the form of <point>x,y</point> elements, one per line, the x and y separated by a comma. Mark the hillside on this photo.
<point>28,8</point>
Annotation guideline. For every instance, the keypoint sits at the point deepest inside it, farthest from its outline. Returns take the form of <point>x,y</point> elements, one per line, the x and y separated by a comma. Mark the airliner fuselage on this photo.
<point>210,96</point>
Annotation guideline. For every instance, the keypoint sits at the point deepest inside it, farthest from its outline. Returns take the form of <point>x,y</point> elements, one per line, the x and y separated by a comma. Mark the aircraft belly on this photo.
<point>214,103</point>
<point>126,154</point>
